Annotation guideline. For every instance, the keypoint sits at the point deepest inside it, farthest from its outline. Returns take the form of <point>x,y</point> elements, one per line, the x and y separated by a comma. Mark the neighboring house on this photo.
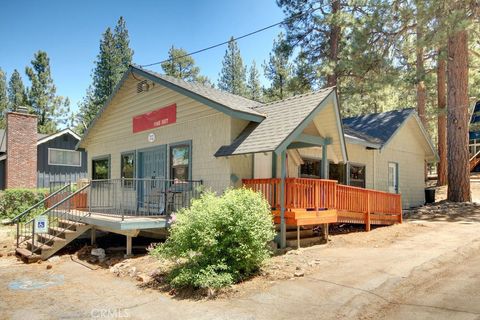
<point>474,138</point>
<point>33,160</point>
<point>168,128</point>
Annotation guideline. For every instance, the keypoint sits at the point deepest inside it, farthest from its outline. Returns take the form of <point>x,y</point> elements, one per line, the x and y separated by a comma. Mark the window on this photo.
<point>357,175</point>
<point>64,157</point>
<point>100,168</point>
<point>337,172</point>
<point>310,168</point>
<point>180,162</point>
<point>128,168</point>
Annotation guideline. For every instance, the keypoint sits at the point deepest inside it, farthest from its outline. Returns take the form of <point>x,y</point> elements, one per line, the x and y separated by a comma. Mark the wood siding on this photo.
<point>60,174</point>
<point>207,128</point>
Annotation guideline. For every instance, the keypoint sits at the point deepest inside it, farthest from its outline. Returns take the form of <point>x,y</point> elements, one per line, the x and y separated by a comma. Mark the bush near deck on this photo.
<point>219,240</point>
<point>15,201</point>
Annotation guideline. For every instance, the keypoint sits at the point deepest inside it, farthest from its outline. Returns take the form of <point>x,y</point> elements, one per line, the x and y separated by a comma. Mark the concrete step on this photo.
<point>27,256</point>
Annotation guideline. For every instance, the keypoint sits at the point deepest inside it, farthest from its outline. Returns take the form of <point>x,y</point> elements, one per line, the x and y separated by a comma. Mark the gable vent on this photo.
<point>143,86</point>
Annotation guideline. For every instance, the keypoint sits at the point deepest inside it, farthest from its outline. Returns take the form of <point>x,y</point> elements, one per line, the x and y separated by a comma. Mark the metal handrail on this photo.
<point>61,202</point>
<point>34,249</point>
<point>38,204</point>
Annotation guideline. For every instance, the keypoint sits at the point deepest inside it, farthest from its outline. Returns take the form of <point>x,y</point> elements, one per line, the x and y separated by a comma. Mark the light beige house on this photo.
<point>157,139</point>
<point>226,138</point>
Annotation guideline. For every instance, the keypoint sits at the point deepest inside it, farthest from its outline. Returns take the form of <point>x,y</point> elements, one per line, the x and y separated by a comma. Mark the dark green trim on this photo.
<point>324,163</point>
<point>157,147</point>
<point>274,165</point>
<point>283,226</point>
<point>215,105</point>
<point>102,157</point>
<point>190,151</point>
<point>313,140</point>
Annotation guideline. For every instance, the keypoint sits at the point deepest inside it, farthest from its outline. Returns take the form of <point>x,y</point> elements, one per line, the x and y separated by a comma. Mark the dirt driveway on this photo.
<point>422,269</point>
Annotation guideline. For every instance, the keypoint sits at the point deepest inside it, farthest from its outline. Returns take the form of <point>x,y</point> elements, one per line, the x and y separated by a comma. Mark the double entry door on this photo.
<point>152,173</point>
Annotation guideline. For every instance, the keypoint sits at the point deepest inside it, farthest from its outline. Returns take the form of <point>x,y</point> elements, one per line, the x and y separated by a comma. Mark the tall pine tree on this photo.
<point>180,65</point>
<point>113,59</point>
<point>16,91</point>
<point>233,73</point>
<point>3,97</point>
<point>254,87</point>
<point>278,70</point>
<point>52,110</point>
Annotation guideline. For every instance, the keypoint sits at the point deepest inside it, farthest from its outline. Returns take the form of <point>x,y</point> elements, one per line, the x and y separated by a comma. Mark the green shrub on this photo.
<point>218,240</point>
<point>15,201</point>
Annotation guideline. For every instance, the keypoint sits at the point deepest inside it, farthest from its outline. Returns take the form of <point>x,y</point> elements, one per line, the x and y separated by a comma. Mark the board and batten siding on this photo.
<point>47,173</point>
<point>205,127</point>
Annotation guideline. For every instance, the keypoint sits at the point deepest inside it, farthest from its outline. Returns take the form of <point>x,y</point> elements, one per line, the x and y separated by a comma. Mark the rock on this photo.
<point>6,221</point>
<point>49,266</point>
<point>143,278</point>
<point>132,272</point>
<point>299,274</point>
<point>5,246</point>
<point>10,253</point>
<point>39,261</point>
<point>1,255</point>
<point>98,252</point>
<point>298,268</point>
<point>54,259</point>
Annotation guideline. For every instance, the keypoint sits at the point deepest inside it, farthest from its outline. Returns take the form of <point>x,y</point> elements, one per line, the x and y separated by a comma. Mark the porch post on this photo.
<point>325,163</point>
<point>283,227</point>
<point>129,247</point>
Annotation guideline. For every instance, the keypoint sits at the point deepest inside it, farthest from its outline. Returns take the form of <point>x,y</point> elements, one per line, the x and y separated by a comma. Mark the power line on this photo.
<point>225,42</point>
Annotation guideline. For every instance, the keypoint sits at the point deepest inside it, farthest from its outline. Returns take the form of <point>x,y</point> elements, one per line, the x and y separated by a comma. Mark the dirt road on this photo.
<point>421,269</point>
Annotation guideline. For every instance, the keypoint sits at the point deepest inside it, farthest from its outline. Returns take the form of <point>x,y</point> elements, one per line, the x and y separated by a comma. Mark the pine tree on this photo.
<point>301,81</point>
<point>278,69</point>
<point>233,73</point>
<point>52,110</point>
<point>113,59</point>
<point>3,98</point>
<point>180,65</point>
<point>16,91</point>
<point>254,87</point>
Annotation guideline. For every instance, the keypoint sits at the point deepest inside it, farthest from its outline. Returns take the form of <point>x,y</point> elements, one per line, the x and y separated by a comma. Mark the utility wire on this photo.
<point>225,42</point>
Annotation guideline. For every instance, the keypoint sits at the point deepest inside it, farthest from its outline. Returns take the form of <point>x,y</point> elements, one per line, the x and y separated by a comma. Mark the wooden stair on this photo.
<point>474,162</point>
<point>46,245</point>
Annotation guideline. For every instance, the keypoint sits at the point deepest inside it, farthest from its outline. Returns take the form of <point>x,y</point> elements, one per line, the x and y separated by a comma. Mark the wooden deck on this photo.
<point>320,201</point>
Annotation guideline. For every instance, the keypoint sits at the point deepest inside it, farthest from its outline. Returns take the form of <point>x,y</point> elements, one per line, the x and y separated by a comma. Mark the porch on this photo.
<point>322,201</point>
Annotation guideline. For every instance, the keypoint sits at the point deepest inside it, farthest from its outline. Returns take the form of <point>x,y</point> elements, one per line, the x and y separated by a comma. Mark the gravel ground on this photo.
<point>426,268</point>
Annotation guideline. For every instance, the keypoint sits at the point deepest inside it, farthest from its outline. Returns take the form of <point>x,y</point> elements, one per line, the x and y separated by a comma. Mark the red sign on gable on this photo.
<point>154,119</point>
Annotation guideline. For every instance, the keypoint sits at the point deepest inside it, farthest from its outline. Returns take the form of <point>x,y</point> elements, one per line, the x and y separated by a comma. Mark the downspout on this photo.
<point>374,169</point>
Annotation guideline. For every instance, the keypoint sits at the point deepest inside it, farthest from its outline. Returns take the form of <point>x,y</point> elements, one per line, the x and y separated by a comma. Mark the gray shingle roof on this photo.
<point>229,100</point>
<point>283,117</point>
<point>376,128</point>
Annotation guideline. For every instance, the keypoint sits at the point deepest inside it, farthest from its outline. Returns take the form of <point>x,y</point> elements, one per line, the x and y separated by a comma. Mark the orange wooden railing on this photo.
<point>354,205</point>
<point>78,201</point>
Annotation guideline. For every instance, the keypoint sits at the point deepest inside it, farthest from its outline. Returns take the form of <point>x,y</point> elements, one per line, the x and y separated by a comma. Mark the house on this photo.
<point>474,138</point>
<point>158,138</point>
<point>29,159</point>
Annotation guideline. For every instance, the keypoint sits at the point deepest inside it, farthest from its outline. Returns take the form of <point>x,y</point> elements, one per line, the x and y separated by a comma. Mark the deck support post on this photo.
<point>129,247</point>
<point>283,227</point>
<point>93,237</point>
<point>298,237</point>
<point>324,169</point>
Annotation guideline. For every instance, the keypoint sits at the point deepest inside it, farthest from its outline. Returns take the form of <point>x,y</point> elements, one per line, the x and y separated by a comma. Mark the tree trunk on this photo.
<point>442,119</point>
<point>334,41</point>
<point>457,120</point>
<point>420,75</point>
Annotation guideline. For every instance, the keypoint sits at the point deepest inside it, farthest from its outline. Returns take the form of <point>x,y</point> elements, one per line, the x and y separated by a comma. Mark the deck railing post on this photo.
<point>367,220</point>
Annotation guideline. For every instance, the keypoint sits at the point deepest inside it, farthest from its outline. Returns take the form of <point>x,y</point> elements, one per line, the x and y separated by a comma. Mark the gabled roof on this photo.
<point>376,129</point>
<point>231,104</point>
<point>283,117</point>
<point>41,137</point>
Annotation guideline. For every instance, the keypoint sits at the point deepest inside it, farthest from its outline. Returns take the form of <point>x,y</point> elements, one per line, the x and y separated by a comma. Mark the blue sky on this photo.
<point>69,31</point>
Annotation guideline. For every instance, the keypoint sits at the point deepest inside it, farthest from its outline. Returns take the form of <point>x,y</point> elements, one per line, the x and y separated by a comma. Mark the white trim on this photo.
<point>64,165</point>
<point>58,134</point>
<point>343,144</point>
<point>355,140</point>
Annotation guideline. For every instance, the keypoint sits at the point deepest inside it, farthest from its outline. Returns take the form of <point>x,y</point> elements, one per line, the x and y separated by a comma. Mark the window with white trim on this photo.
<point>64,157</point>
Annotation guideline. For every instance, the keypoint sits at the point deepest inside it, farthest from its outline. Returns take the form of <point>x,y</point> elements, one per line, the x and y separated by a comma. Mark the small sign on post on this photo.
<point>41,224</point>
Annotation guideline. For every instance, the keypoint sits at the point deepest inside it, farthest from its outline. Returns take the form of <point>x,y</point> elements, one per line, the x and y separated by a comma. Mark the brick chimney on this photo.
<point>21,168</point>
